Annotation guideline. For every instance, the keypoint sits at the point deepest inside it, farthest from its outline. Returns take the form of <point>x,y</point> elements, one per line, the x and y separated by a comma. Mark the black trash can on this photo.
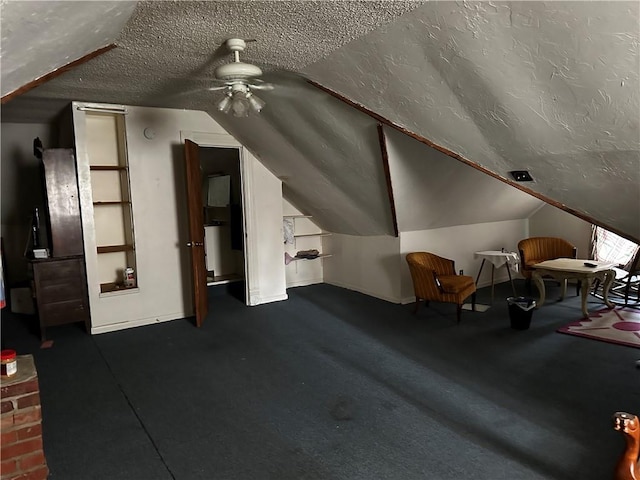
<point>520,312</point>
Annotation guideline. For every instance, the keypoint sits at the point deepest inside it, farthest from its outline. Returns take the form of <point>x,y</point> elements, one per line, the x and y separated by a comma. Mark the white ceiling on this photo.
<point>39,37</point>
<point>428,186</point>
<point>549,87</point>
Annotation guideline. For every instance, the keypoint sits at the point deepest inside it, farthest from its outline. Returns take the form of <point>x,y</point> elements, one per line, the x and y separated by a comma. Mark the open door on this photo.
<point>196,230</point>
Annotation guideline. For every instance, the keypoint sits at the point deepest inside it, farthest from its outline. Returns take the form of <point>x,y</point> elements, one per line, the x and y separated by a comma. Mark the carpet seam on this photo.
<point>144,428</point>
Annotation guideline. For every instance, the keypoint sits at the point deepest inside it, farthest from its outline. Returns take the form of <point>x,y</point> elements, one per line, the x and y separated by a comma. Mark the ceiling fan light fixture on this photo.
<point>255,102</point>
<point>240,105</point>
<point>239,79</point>
<point>225,104</point>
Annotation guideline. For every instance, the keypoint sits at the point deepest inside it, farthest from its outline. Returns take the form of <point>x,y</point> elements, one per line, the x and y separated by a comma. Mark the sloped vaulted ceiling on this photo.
<point>551,87</point>
<point>329,157</point>
<point>326,153</point>
<point>39,37</point>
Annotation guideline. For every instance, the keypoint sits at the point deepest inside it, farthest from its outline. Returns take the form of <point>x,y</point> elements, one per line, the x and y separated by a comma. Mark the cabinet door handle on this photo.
<point>195,244</point>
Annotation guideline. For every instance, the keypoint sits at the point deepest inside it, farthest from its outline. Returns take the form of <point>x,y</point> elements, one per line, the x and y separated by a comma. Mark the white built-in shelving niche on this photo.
<point>306,236</point>
<point>111,198</point>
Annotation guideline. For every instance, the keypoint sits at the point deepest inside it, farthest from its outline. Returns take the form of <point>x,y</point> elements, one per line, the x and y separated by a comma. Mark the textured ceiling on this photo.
<point>327,156</point>
<point>38,37</point>
<point>170,47</point>
<point>429,189</point>
<point>551,87</point>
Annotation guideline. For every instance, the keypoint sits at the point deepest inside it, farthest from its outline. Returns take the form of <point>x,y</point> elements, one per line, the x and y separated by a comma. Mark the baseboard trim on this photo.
<point>362,290</point>
<point>274,298</point>
<point>408,300</point>
<point>141,322</point>
<point>304,283</point>
<point>496,281</point>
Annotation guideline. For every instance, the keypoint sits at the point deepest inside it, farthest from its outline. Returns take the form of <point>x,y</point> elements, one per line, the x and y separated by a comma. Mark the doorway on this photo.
<point>211,172</point>
<point>223,220</point>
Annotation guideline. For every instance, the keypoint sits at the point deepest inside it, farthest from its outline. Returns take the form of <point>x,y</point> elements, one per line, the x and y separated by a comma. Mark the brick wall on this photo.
<point>21,454</point>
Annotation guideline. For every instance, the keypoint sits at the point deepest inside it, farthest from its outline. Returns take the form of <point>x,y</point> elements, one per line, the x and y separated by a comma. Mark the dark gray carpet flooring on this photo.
<point>333,384</point>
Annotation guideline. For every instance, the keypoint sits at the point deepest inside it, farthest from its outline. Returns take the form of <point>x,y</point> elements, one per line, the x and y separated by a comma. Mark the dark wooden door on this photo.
<point>196,230</point>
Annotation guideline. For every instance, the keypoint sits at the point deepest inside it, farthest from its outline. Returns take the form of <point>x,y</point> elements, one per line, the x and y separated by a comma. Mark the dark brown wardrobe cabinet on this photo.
<point>59,282</point>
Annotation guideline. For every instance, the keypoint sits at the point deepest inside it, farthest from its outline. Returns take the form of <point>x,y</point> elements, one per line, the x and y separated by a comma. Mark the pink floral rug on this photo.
<point>619,325</point>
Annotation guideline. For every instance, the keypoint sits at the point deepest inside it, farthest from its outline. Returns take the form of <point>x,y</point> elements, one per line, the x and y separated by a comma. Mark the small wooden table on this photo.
<point>562,269</point>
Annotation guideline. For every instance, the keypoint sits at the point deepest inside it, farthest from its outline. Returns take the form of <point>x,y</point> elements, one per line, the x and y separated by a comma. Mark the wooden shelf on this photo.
<point>320,234</point>
<point>111,203</point>
<point>288,257</point>
<point>223,279</point>
<point>115,248</point>
<point>113,287</point>
<point>322,255</point>
<point>107,167</point>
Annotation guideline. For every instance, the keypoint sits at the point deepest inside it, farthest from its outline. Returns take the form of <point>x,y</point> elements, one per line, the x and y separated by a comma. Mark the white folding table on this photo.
<point>498,259</point>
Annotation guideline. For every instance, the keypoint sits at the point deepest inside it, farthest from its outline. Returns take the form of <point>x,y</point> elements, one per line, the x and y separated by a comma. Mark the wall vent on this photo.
<point>521,176</point>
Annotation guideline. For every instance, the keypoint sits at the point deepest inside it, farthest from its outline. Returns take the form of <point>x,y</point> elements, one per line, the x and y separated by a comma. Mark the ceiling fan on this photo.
<point>239,80</point>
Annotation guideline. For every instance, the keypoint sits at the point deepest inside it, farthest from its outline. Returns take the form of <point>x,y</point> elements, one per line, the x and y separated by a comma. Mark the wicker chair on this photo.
<point>538,249</point>
<point>434,279</point>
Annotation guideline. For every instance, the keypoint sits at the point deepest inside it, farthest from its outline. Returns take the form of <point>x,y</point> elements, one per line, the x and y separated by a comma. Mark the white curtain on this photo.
<point>606,246</point>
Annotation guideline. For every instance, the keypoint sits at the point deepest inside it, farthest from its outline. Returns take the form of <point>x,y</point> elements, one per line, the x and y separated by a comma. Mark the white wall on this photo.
<point>369,265</point>
<point>22,189</point>
<point>459,244</point>
<point>376,266</point>
<point>265,233</point>
<point>156,169</point>
<point>550,221</point>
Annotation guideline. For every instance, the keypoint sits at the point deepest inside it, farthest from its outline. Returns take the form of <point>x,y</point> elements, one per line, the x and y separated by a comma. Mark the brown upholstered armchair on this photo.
<point>538,249</point>
<point>434,278</point>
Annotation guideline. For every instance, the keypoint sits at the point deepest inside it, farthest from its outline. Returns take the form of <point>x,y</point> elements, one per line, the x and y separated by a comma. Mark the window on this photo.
<point>606,246</point>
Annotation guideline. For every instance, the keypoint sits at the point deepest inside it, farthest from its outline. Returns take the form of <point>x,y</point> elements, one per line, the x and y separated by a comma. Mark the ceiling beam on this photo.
<point>54,73</point>
<point>460,158</point>
<point>387,175</point>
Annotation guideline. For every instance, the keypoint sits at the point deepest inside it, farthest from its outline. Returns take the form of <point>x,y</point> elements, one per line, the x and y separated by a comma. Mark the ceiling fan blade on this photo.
<point>221,87</point>
<point>185,93</point>
<point>261,86</point>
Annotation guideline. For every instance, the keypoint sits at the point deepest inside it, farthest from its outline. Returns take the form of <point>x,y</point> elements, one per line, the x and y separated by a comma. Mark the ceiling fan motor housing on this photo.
<point>237,70</point>
<point>236,44</point>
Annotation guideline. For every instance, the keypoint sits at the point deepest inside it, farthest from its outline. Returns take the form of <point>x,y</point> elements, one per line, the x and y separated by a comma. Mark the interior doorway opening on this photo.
<point>223,220</point>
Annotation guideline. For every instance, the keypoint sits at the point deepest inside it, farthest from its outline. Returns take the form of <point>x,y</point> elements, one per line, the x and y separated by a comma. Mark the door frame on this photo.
<point>221,140</point>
